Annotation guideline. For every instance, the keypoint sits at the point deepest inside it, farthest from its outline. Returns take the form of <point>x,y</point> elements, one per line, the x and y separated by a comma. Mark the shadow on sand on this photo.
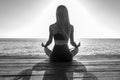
<point>57,71</point>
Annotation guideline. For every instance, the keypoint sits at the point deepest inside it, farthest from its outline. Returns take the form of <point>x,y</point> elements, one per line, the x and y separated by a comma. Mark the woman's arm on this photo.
<point>50,37</point>
<point>72,37</point>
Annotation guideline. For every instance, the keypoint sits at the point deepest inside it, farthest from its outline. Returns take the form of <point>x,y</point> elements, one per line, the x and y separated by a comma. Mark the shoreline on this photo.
<point>115,56</point>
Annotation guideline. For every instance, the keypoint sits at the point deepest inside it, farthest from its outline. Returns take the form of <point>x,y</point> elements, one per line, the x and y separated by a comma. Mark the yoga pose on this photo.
<point>61,31</point>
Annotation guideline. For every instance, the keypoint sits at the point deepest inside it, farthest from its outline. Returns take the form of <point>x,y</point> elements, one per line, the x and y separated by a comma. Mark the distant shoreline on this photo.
<point>77,56</point>
<point>47,38</point>
<point>23,57</point>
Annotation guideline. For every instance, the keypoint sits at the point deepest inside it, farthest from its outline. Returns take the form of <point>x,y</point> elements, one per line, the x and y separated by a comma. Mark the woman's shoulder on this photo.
<point>71,26</point>
<point>52,26</point>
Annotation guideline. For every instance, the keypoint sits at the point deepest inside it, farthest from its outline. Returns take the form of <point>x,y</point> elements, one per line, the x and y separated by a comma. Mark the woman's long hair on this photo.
<point>62,15</point>
<point>62,18</point>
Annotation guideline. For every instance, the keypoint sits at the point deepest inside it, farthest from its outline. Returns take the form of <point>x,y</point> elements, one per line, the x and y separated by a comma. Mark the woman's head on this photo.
<point>62,15</point>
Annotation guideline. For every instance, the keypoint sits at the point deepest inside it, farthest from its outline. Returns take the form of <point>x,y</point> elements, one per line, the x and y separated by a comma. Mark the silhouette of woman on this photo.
<point>61,31</point>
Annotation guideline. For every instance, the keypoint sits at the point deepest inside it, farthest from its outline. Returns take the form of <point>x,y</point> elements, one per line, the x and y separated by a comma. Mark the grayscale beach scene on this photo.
<point>59,39</point>
<point>98,59</point>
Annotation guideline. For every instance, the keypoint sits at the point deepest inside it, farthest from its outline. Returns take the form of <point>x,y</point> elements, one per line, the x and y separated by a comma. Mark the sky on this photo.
<point>32,18</point>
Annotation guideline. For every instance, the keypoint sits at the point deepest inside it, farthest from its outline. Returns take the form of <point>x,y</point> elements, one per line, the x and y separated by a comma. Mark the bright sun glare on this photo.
<point>85,25</point>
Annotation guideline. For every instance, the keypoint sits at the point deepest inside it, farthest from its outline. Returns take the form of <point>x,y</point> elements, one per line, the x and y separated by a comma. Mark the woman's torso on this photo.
<point>61,51</point>
<point>61,36</point>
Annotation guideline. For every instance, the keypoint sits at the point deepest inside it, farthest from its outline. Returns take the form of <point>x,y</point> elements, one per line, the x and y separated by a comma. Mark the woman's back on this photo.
<point>63,33</point>
<point>60,51</point>
<point>59,37</point>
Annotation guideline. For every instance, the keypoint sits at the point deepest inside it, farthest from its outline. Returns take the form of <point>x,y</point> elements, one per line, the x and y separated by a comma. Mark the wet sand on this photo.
<point>89,67</point>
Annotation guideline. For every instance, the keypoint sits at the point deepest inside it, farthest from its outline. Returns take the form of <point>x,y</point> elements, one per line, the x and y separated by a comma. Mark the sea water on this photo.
<point>19,47</point>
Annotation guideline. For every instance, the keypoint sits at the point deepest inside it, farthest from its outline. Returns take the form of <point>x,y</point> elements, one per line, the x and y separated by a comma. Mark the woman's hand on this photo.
<point>78,45</point>
<point>43,45</point>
